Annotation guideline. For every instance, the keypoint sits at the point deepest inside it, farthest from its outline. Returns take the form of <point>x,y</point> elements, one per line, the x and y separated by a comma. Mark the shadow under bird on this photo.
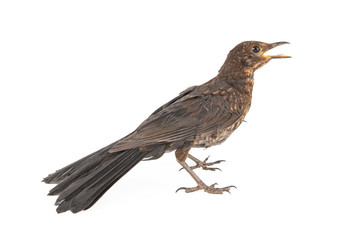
<point>199,117</point>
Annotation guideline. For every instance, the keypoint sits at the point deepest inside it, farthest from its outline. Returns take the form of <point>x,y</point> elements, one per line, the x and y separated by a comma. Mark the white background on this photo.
<point>77,75</point>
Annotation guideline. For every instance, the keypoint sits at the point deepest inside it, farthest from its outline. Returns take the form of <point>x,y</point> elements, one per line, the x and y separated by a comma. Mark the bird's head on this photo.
<point>249,56</point>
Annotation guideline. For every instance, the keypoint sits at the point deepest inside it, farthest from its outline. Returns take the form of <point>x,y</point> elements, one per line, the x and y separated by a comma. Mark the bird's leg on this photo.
<point>201,185</point>
<point>181,156</point>
<point>204,164</point>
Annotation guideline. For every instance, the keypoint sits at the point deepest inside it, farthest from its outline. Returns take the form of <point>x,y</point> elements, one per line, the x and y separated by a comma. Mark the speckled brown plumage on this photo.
<point>201,116</point>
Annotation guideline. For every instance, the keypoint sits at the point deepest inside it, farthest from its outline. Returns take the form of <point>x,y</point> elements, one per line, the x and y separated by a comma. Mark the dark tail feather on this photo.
<point>95,191</point>
<point>64,172</point>
<point>85,181</point>
<point>86,191</point>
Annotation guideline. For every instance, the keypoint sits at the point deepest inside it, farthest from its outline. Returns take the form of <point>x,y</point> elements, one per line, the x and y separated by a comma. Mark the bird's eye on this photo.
<point>256,49</point>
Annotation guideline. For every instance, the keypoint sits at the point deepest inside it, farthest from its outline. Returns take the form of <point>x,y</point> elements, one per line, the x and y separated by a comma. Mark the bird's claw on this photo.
<point>204,168</point>
<point>204,164</point>
<point>188,190</point>
<point>209,189</point>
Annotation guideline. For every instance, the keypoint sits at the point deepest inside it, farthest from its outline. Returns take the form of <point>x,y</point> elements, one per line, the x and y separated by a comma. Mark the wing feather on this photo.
<point>181,120</point>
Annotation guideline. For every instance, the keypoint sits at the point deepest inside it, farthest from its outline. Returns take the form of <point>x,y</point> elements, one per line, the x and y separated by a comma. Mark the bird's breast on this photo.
<point>233,102</point>
<point>210,139</point>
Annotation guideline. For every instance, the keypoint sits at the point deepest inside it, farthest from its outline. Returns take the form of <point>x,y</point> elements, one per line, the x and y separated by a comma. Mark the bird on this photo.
<point>201,116</point>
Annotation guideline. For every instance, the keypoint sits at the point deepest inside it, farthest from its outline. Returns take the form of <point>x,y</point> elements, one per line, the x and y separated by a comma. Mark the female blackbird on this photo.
<point>201,116</point>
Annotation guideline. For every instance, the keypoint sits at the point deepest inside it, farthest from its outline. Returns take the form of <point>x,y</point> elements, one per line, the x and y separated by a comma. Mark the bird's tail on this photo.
<point>82,183</point>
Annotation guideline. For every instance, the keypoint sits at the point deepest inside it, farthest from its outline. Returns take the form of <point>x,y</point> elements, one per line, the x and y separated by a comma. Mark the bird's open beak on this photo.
<point>273,45</point>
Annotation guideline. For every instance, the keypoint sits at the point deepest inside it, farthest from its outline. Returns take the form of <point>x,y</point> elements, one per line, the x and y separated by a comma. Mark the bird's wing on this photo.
<point>182,119</point>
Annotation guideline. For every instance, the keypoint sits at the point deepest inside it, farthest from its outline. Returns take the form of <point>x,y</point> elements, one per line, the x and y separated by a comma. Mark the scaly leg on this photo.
<point>204,164</point>
<point>181,156</point>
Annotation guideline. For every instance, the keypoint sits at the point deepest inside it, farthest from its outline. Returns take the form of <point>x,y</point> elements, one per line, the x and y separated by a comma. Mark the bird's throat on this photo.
<point>243,85</point>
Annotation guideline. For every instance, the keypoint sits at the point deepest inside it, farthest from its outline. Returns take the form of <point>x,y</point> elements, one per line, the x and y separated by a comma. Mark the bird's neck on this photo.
<point>237,75</point>
<point>243,84</point>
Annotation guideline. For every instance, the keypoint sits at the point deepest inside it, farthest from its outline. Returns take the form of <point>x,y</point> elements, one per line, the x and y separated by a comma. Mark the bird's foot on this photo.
<point>209,189</point>
<point>204,164</point>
